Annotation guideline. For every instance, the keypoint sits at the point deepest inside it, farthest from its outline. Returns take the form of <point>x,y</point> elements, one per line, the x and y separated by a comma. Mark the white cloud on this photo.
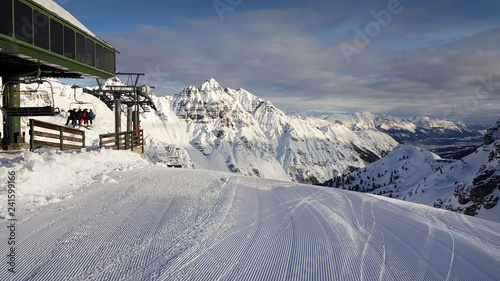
<point>289,54</point>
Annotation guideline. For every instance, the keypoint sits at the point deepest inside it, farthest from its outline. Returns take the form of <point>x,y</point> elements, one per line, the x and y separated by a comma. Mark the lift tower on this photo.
<point>135,97</point>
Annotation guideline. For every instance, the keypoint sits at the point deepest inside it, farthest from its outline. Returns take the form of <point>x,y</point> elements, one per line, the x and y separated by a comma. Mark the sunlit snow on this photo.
<point>109,215</point>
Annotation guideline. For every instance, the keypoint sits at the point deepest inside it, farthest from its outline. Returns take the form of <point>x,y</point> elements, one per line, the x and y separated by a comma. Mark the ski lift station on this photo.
<point>39,40</point>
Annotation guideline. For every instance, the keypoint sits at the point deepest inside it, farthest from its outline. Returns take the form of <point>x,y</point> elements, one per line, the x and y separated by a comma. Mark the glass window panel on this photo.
<point>69,42</point>
<point>99,50</point>
<point>113,62</point>
<point>80,48</point>
<point>41,31</point>
<point>23,22</point>
<point>6,17</point>
<point>106,59</point>
<point>56,37</point>
<point>90,52</point>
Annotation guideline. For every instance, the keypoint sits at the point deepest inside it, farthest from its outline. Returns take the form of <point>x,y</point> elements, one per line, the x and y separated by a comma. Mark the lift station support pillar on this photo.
<point>13,138</point>
<point>129,118</point>
<point>118,112</point>
<point>135,120</point>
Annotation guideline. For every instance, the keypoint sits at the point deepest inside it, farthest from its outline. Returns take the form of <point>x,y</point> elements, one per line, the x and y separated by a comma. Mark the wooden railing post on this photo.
<point>133,140</point>
<point>142,141</point>
<point>83,139</point>
<point>132,143</point>
<point>61,133</point>
<point>126,140</point>
<point>32,134</point>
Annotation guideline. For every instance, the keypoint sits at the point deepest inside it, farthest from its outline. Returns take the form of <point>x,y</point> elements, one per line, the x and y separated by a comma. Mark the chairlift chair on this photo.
<point>49,110</point>
<point>79,104</point>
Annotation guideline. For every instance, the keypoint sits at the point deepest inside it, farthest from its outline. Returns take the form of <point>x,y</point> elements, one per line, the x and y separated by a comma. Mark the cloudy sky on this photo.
<point>399,57</point>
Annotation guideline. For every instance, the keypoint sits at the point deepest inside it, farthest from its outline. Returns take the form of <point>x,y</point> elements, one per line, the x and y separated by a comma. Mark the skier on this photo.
<point>78,117</point>
<point>71,117</point>
<point>90,116</point>
<point>85,117</point>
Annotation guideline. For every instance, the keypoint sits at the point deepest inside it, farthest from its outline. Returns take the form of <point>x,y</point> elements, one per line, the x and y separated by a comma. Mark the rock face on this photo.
<point>493,134</point>
<point>482,192</point>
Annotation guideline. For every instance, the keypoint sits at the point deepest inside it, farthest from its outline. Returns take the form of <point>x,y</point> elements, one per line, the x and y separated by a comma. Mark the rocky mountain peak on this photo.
<point>492,134</point>
<point>211,85</point>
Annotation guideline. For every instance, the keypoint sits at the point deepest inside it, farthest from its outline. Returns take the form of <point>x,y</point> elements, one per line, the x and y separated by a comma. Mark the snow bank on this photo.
<point>49,175</point>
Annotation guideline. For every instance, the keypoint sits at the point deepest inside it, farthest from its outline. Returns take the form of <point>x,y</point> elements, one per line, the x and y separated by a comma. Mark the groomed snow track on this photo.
<point>171,224</point>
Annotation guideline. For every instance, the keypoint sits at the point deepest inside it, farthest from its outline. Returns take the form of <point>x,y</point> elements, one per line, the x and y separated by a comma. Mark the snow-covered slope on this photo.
<point>470,185</point>
<point>111,215</point>
<point>235,131</point>
<point>394,175</point>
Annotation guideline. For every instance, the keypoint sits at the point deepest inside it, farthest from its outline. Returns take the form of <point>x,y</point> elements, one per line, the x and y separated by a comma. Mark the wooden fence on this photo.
<point>67,138</point>
<point>131,140</point>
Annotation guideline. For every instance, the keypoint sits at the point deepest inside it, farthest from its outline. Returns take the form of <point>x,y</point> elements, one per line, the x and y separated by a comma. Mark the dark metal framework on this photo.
<point>130,95</point>
<point>135,97</point>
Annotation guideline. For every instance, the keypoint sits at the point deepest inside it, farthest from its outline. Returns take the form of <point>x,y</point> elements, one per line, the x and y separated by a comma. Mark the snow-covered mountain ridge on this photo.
<point>470,185</point>
<point>253,137</point>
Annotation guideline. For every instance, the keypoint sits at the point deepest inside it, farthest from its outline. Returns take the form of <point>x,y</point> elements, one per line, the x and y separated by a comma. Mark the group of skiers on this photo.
<point>77,117</point>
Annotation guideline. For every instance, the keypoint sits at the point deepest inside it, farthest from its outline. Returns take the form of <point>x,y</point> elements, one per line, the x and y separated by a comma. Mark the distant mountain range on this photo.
<point>404,129</point>
<point>452,140</point>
